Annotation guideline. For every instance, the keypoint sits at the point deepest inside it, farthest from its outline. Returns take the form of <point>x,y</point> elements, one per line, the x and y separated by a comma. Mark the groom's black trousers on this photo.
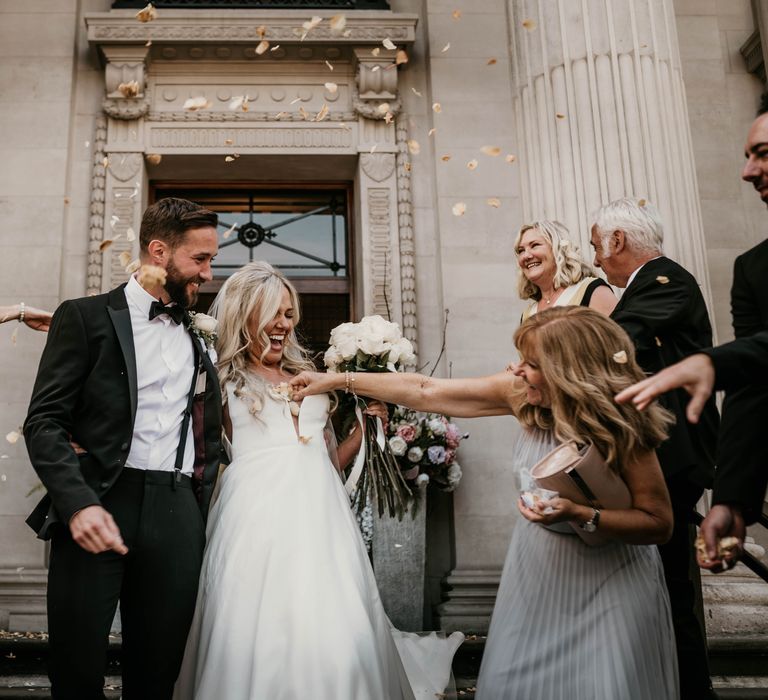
<point>155,582</point>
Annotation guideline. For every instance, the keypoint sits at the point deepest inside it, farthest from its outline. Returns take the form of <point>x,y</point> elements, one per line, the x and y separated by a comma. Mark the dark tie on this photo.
<point>175,312</point>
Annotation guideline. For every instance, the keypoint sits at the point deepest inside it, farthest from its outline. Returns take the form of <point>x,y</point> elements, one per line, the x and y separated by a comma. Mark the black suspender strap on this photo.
<point>187,414</point>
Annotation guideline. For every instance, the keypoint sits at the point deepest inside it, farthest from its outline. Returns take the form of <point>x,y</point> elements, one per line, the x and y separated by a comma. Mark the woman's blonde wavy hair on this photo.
<point>570,267</point>
<point>586,359</point>
<point>255,290</point>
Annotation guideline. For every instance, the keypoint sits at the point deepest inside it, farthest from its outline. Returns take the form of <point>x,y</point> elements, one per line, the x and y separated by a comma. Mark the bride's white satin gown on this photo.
<point>288,606</point>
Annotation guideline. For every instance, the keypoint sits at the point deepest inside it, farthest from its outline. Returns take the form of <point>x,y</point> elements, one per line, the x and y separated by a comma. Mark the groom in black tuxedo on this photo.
<point>663,312</point>
<point>742,462</point>
<point>124,431</point>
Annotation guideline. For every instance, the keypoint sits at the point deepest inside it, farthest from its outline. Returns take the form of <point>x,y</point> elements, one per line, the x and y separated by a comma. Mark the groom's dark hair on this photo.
<point>170,218</point>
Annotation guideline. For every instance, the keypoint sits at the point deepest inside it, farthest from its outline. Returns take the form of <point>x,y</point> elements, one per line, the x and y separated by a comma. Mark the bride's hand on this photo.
<point>562,509</point>
<point>308,383</point>
<point>378,409</point>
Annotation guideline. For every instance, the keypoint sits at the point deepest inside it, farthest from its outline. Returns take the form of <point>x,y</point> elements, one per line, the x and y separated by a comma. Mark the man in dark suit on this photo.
<point>732,366</point>
<point>742,455</point>
<point>128,488</point>
<point>742,459</point>
<point>663,312</point>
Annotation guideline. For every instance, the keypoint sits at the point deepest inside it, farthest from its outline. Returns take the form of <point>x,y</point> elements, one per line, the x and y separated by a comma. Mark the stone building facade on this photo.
<point>505,111</point>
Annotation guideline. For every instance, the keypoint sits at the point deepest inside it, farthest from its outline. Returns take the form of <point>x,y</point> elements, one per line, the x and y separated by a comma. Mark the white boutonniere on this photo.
<point>204,327</point>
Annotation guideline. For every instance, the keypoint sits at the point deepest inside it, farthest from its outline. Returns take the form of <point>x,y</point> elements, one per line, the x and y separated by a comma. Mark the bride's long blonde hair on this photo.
<point>586,359</point>
<point>254,291</point>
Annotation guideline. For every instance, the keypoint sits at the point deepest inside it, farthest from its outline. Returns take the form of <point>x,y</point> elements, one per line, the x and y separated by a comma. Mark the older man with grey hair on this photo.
<point>663,311</point>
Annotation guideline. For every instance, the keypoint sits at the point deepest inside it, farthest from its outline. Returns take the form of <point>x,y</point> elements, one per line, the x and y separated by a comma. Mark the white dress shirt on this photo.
<point>164,366</point>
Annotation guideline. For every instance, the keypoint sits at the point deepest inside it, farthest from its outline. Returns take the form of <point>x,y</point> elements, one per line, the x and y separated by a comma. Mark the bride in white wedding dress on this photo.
<point>288,606</point>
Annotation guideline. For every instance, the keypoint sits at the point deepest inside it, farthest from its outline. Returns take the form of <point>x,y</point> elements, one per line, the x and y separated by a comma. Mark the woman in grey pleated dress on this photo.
<point>571,622</point>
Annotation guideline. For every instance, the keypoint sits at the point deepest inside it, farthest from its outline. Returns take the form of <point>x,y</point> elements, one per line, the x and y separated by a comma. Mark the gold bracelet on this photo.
<point>352,377</point>
<point>22,311</point>
<point>346,382</point>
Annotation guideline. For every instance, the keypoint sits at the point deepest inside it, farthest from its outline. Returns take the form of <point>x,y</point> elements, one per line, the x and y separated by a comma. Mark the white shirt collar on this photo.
<point>138,296</point>
<point>634,274</point>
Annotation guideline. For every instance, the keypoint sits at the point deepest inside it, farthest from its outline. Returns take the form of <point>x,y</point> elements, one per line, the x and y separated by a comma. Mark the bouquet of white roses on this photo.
<point>425,446</point>
<point>372,345</point>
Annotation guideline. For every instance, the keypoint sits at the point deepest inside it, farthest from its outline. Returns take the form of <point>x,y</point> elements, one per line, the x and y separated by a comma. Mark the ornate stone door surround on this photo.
<point>151,69</point>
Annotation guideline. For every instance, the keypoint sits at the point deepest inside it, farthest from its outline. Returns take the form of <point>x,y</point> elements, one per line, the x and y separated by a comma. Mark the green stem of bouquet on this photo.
<point>381,481</point>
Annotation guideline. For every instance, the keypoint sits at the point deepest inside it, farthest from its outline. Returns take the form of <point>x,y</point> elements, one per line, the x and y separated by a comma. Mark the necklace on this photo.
<point>551,297</point>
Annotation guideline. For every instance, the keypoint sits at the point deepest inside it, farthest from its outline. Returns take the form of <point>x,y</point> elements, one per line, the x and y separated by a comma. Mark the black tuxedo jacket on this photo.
<point>664,313</point>
<point>742,455</point>
<point>741,362</point>
<point>86,391</point>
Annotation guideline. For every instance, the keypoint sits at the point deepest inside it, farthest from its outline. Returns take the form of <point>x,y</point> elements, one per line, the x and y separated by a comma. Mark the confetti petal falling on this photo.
<point>151,276</point>
<point>193,104</point>
<point>338,23</point>
<point>147,14</point>
<point>129,90</point>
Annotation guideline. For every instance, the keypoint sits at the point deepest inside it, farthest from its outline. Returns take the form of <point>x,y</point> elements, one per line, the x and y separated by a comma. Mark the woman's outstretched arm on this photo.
<point>464,398</point>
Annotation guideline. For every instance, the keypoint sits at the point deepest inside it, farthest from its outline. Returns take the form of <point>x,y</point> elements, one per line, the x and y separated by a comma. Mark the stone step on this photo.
<point>18,687</point>
<point>739,666</point>
<point>465,690</point>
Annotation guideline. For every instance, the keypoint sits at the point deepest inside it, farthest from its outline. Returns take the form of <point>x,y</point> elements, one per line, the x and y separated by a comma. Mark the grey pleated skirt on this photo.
<point>573,622</point>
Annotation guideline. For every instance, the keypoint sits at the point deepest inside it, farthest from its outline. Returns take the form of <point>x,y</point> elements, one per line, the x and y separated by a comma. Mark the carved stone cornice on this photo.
<point>229,116</point>
<point>239,26</point>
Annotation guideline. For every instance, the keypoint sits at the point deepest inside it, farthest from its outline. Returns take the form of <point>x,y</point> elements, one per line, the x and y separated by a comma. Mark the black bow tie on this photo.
<point>176,313</point>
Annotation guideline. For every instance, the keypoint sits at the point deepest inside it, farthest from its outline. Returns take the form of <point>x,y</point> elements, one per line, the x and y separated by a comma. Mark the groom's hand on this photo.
<point>95,530</point>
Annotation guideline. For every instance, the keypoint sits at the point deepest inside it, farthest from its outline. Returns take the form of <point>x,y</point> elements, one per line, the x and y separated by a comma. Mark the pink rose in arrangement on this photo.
<point>452,436</point>
<point>407,432</point>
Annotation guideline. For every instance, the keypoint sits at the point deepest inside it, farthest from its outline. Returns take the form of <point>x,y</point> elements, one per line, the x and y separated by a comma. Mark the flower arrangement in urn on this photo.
<point>372,345</point>
<point>425,446</point>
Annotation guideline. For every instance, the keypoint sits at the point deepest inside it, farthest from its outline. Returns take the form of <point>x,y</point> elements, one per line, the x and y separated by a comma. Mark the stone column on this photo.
<point>601,114</point>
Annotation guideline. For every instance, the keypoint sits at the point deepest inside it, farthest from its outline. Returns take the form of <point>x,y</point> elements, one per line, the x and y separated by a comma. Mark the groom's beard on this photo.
<point>177,286</point>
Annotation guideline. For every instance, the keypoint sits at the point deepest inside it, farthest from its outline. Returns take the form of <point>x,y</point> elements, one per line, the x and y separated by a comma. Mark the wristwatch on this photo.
<point>592,523</point>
